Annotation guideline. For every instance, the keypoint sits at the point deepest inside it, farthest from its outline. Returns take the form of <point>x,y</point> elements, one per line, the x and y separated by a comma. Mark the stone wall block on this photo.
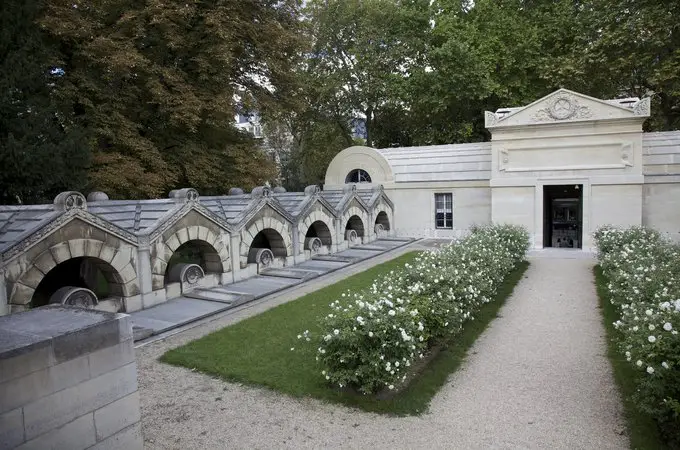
<point>86,340</point>
<point>157,281</point>
<point>107,253</point>
<point>93,247</point>
<point>182,235</point>
<point>203,234</point>
<point>61,252</point>
<point>116,416</point>
<point>11,428</point>
<point>76,435</point>
<point>77,247</point>
<point>38,384</point>
<point>45,262</point>
<point>111,358</point>
<point>32,277</point>
<point>193,232</point>
<point>129,438</point>
<point>66,405</point>
<point>128,273</point>
<point>22,294</point>
<point>123,257</point>
<point>40,357</point>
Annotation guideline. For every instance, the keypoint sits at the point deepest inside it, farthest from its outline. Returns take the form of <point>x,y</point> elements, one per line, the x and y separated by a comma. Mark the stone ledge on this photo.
<point>46,336</point>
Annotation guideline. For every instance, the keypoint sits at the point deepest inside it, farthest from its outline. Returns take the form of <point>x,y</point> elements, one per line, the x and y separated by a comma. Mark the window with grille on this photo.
<point>358,176</point>
<point>443,211</point>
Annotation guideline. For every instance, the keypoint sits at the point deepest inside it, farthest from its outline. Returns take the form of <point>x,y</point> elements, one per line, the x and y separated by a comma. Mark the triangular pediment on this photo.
<point>564,106</point>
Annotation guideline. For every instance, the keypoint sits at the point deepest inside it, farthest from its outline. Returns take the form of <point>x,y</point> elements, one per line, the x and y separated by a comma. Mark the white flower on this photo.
<point>391,386</point>
<point>391,312</point>
<point>665,365</point>
<point>648,312</point>
<point>336,332</point>
<point>650,370</point>
<point>639,363</point>
<point>667,326</point>
<point>651,327</point>
<point>292,348</point>
<point>370,334</point>
<point>652,339</point>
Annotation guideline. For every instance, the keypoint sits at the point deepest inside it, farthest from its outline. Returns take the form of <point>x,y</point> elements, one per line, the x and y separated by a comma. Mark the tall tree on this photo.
<point>632,47</point>
<point>43,147</point>
<point>157,80</point>
<point>365,49</point>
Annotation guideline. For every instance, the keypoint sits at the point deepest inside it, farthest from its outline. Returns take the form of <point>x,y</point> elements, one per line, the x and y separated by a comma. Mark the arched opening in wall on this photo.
<point>382,223</point>
<point>358,176</point>
<point>195,252</point>
<point>354,230</point>
<point>320,230</point>
<point>82,272</point>
<point>269,239</point>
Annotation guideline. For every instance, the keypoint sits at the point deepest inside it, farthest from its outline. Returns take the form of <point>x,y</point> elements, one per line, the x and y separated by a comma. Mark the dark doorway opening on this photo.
<point>563,216</point>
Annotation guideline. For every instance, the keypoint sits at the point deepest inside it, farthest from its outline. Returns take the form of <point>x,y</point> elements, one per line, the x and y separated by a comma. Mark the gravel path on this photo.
<point>537,378</point>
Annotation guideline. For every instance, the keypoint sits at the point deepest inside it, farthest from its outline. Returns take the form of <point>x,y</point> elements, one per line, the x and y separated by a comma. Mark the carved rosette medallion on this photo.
<point>562,107</point>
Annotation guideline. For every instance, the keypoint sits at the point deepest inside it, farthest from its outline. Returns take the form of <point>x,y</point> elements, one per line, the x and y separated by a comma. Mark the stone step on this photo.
<point>219,295</point>
<point>336,257</point>
<point>298,274</point>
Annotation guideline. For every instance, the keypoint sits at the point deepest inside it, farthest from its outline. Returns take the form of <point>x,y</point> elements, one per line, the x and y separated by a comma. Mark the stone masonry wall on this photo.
<point>68,380</point>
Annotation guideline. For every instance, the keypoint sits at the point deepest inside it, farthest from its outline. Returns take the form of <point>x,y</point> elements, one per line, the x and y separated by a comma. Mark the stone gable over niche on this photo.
<point>567,106</point>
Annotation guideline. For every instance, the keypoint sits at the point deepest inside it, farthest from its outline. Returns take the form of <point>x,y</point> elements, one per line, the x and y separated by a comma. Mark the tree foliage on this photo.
<point>137,98</point>
<point>43,145</point>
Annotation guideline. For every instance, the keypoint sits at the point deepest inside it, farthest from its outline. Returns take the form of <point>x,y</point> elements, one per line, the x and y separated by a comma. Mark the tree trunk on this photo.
<point>369,122</point>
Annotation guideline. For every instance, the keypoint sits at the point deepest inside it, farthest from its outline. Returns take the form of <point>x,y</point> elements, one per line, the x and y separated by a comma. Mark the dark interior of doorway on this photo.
<point>563,216</point>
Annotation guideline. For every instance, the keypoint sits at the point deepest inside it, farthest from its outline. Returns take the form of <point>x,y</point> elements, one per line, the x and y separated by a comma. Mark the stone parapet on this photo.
<point>68,380</point>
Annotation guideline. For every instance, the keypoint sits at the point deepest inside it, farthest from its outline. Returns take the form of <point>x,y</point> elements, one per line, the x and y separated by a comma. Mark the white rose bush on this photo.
<point>643,273</point>
<point>373,337</point>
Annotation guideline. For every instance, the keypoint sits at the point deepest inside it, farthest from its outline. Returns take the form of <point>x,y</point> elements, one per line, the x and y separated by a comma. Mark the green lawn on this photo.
<point>642,429</point>
<point>257,351</point>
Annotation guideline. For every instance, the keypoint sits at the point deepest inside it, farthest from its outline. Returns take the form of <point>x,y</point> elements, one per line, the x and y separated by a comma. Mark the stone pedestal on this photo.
<point>68,380</point>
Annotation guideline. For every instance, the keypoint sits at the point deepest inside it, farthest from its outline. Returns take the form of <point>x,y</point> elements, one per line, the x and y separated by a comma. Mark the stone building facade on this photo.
<point>127,255</point>
<point>561,166</point>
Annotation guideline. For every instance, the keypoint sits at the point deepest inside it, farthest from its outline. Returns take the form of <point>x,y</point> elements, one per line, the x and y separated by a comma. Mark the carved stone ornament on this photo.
<point>562,107</point>
<point>313,244</point>
<point>379,229</point>
<point>186,194</point>
<point>350,188</point>
<point>74,296</point>
<point>312,189</point>
<point>261,256</point>
<point>643,107</point>
<point>186,273</point>
<point>261,191</point>
<point>351,236</point>
<point>490,119</point>
<point>69,200</point>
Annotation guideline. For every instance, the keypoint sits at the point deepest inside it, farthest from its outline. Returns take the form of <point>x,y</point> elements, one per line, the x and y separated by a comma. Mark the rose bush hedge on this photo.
<point>643,273</point>
<point>372,337</point>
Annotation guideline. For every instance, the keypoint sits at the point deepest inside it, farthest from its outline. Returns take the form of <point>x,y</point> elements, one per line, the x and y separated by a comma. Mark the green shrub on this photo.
<point>373,337</point>
<point>643,270</point>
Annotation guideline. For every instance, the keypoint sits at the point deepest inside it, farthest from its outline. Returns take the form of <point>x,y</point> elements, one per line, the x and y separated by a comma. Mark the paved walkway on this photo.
<point>537,378</point>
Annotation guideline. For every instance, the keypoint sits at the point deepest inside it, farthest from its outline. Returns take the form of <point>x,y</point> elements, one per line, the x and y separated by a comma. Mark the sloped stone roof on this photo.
<point>455,162</point>
<point>17,222</point>
<point>661,157</point>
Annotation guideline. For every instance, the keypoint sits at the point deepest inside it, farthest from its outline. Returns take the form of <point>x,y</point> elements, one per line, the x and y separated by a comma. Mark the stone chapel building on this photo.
<point>561,166</point>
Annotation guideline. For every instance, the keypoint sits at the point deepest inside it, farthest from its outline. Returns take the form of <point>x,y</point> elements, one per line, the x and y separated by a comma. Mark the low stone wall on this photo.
<point>68,380</point>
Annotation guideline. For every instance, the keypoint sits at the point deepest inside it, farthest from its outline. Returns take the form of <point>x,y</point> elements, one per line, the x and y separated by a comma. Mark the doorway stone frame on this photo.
<point>585,208</point>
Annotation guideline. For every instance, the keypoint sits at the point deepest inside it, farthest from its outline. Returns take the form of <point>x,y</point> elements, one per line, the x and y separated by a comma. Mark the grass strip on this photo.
<point>257,351</point>
<point>643,431</point>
